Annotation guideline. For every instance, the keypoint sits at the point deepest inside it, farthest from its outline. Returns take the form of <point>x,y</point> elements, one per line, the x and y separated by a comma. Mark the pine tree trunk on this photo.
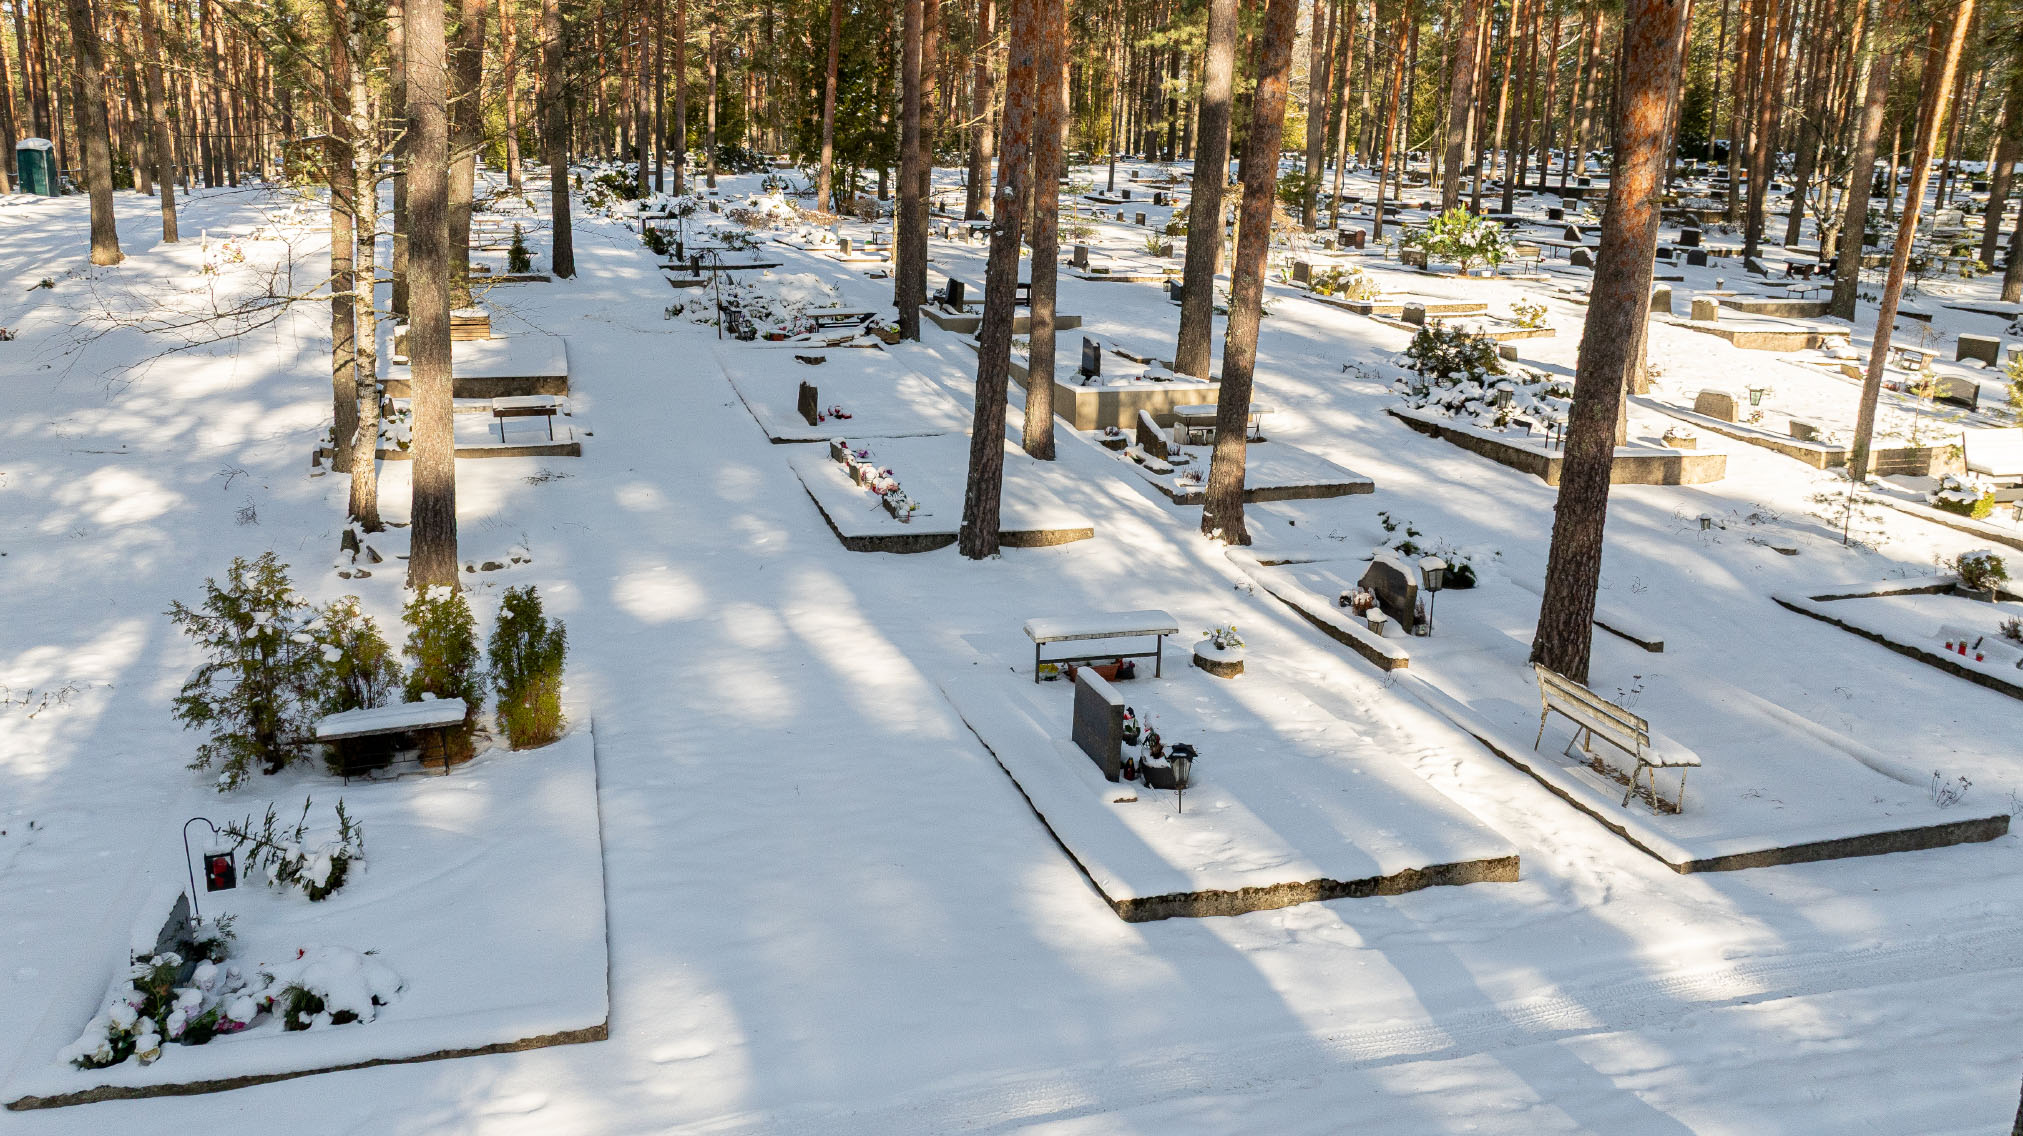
<point>1619,307</point>
<point>340,159</point>
<point>162,143</point>
<point>1861,176</point>
<point>910,266</point>
<point>1390,126</point>
<point>1942,57</point>
<point>509,64</point>
<point>709,113</point>
<point>396,65</point>
<point>92,129</point>
<point>825,187</point>
<point>432,557</point>
<point>984,490</point>
<point>679,142</point>
<point>1763,154</point>
<point>1460,107</point>
<point>1317,110</point>
<point>1222,510</point>
<point>1050,121</point>
<point>982,112</point>
<point>2007,151</point>
<point>554,108</point>
<point>1194,353</point>
<point>8,131</point>
<point>364,506</point>
<point>467,74</point>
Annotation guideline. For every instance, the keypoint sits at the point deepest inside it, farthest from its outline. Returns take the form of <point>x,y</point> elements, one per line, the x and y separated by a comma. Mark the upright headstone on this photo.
<point>1717,404</point>
<point>1140,217</point>
<point>1690,238</point>
<point>1415,313</point>
<point>1706,309</point>
<point>1395,583</point>
<point>1151,438</point>
<point>1092,357</point>
<point>1582,257</point>
<point>1099,722</point>
<point>1696,257</point>
<point>1174,290</point>
<point>1302,272</point>
<point>810,404</point>
<point>1661,298</point>
<point>1080,259</point>
<point>1986,348</point>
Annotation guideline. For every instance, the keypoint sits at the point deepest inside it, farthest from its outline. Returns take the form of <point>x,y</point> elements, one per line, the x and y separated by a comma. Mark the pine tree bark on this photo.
<point>710,63</point>
<point>87,59</point>
<point>555,140</point>
<point>1318,58</point>
<point>825,183</point>
<point>364,506</point>
<point>2007,151</point>
<point>432,556</point>
<point>8,132</point>
<point>467,74</point>
<point>1050,122</point>
<point>1861,176</point>
<point>1460,107</point>
<point>983,114</point>
<point>1619,306</point>
<point>1222,509</point>
<point>340,159</point>
<point>1194,353</point>
<point>910,264</point>
<point>984,490</point>
<point>509,65</point>
<point>161,140</point>
<point>679,142</point>
<point>1763,153</point>
<point>396,65</point>
<point>1942,58</point>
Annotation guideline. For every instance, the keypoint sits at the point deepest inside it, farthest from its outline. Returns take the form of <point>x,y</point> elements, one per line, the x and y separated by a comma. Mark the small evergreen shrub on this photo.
<point>518,260</point>
<point>1968,494</point>
<point>1441,351</point>
<point>254,690</point>
<point>657,241</point>
<point>284,857</point>
<point>1461,238</point>
<point>1981,570</point>
<point>356,668</point>
<point>442,643</point>
<point>526,654</point>
<point>1528,314</point>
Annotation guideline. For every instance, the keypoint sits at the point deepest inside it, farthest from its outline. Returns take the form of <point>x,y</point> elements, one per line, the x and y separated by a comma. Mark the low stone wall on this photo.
<point>966,323</point>
<point>1771,306</point>
<point>1197,904</point>
<point>490,386</point>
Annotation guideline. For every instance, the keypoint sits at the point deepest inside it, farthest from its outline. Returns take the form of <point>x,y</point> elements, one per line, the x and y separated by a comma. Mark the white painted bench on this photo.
<point>1592,716</point>
<point>1108,625</point>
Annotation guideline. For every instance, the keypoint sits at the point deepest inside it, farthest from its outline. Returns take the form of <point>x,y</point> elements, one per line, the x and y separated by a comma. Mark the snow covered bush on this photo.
<point>1452,351</point>
<point>1529,314</point>
<point>1460,564</point>
<point>153,1005</point>
<point>1461,238</point>
<point>356,667</point>
<point>1450,375</point>
<point>1968,494</point>
<point>526,653</point>
<point>255,687</point>
<point>285,858</point>
<point>1347,282</point>
<point>517,258</point>
<point>442,642</point>
<point>1981,570</point>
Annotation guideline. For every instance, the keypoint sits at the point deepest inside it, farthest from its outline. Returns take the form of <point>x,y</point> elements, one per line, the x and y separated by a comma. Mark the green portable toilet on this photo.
<point>35,166</point>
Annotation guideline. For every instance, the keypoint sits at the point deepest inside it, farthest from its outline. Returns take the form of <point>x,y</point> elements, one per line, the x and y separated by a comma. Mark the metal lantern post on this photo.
<point>1183,769</point>
<point>1433,576</point>
<point>221,869</point>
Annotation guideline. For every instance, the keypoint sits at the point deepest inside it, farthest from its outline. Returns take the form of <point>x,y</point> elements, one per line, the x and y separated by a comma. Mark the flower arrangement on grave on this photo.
<point>1223,637</point>
<point>1968,494</point>
<point>1981,570</point>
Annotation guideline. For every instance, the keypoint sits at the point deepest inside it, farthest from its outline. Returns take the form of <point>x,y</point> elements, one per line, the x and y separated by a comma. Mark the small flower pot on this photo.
<point>1220,662</point>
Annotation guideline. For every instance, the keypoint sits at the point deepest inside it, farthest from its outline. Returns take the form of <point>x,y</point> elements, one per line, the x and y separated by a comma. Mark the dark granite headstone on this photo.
<point>1570,233</point>
<point>1752,265</point>
<point>1092,357</point>
<point>1140,217</point>
<point>1151,438</point>
<point>1986,348</point>
<point>1302,272</point>
<point>1689,238</point>
<point>1696,257</point>
<point>1099,721</point>
<point>1958,391</point>
<point>1174,291</point>
<point>1582,257</point>
<point>1396,586</point>
<point>1555,213</point>
<point>1080,258</point>
<point>810,404</point>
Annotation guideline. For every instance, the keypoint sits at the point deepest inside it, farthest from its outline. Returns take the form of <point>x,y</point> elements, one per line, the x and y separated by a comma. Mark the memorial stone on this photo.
<point>1716,404</point>
<point>1151,438</point>
<point>1395,583</point>
<point>1099,721</point>
<point>1986,348</point>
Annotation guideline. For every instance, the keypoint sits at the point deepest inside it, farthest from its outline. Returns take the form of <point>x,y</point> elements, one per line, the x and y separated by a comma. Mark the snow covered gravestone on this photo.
<point>1099,720</point>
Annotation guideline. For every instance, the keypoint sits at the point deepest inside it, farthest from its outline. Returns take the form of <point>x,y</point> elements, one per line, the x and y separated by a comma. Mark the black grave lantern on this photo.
<point>221,871</point>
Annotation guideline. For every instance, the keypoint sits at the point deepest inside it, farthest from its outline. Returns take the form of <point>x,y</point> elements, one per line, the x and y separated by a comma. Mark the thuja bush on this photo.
<point>356,666</point>
<point>442,646</point>
<point>526,654</point>
<point>518,259</point>
<point>1461,238</point>
<point>1451,351</point>
<point>256,687</point>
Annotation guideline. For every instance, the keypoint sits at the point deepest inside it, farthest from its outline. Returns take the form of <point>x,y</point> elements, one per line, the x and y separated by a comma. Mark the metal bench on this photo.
<point>1108,625</point>
<point>525,406</point>
<point>1592,716</point>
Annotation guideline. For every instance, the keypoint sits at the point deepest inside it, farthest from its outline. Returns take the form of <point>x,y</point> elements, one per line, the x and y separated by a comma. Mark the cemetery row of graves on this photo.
<point>1185,772</point>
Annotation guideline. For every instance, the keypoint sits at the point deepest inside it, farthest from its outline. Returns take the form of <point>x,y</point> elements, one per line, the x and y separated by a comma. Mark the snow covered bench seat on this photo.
<point>1594,715</point>
<point>1996,453</point>
<point>369,738</point>
<point>1104,625</point>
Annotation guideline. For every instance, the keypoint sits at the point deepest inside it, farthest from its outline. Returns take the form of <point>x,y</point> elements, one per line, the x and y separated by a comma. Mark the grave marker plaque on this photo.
<point>1099,721</point>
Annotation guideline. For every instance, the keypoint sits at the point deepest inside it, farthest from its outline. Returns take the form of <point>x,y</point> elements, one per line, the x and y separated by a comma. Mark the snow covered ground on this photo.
<point>829,909</point>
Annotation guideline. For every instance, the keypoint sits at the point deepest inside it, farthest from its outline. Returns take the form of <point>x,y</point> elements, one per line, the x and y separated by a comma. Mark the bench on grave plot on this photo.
<point>1594,716</point>
<point>1107,626</point>
<point>367,740</point>
<point>1996,454</point>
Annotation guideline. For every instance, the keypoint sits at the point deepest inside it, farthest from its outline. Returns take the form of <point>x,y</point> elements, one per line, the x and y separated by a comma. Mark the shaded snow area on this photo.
<point>826,904</point>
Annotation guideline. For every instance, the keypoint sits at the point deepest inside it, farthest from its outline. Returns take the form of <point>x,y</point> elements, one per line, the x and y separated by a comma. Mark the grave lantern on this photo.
<point>1756,395</point>
<point>221,871</point>
<point>1432,577</point>
<point>1183,769</point>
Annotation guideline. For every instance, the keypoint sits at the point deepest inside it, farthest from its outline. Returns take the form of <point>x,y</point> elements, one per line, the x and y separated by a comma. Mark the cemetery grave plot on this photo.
<point>1540,455</point>
<point>1932,621</point>
<point>482,891</point>
<point>1127,385</point>
<point>1273,471</point>
<point>526,426</point>
<point>881,397</point>
<point>1770,786</point>
<point>1286,804</point>
<point>503,366</point>
<point>929,474</point>
<point>1760,332</point>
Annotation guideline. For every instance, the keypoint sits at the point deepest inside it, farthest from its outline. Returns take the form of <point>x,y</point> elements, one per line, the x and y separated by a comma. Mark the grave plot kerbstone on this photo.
<point>1715,404</point>
<point>1099,722</point>
<point>1985,348</point>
